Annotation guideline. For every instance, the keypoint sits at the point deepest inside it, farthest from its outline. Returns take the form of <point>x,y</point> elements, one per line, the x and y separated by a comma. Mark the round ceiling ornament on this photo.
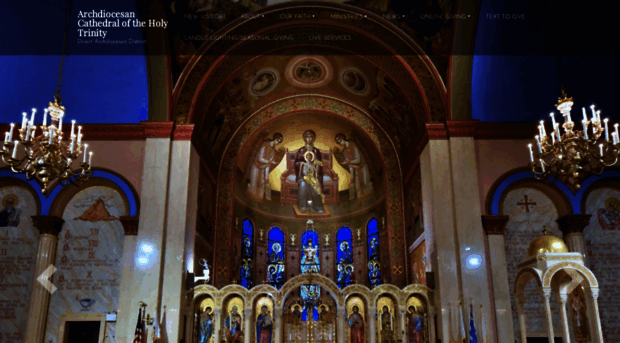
<point>309,71</point>
<point>264,81</point>
<point>354,81</point>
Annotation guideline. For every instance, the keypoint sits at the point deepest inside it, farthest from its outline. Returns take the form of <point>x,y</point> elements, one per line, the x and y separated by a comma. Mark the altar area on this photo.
<point>353,314</point>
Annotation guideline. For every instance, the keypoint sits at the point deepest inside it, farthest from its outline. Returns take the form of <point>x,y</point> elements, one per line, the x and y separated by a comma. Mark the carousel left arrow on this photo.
<point>44,279</point>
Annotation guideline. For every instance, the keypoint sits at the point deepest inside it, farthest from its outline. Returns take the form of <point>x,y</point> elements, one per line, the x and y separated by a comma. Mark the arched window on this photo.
<point>247,253</point>
<point>344,257</point>
<point>374,264</point>
<point>310,263</point>
<point>276,257</point>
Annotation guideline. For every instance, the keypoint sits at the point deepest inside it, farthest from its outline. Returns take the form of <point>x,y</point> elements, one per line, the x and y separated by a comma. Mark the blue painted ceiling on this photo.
<point>522,61</point>
<point>98,85</point>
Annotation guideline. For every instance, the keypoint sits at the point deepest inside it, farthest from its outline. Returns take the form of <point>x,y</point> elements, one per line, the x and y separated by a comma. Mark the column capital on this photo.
<point>494,225</point>
<point>130,225</point>
<point>48,225</point>
<point>546,292</point>
<point>573,223</point>
<point>563,298</point>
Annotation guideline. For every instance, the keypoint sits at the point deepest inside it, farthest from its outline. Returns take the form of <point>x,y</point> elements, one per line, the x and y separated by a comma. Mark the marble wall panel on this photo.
<point>18,251</point>
<point>88,259</point>
<point>602,239</point>
<point>526,224</point>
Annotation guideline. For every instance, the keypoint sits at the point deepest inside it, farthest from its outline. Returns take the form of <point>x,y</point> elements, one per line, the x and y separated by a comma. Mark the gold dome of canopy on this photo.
<point>546,244</point>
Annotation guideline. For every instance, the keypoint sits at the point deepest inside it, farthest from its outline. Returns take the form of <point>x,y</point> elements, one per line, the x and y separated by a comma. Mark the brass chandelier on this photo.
<point>46,156</point>
<point>575,154</point>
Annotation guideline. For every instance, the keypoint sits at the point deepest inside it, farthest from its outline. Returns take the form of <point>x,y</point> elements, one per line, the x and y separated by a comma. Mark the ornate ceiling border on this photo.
<point>319,103</point>
<point>421,83</point>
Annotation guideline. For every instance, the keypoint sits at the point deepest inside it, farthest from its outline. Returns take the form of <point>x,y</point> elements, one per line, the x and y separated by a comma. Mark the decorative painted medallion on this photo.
<point>309,71</point>
<point>264,81</point>
<point>354,81</point>
<point>609,217</point>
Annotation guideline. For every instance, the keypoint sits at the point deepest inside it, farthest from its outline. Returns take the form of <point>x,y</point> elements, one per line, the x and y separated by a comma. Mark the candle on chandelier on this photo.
<point>72,144</point>
<point>531,152</point>
<point>616,126</point>
<point>45,117</point>
<point>28,131</point>
<point>557,130</point>
<point>585,127</point>
<point>6,137</point>
<point>553,119</point>
<point>72,128</point>
<point>23,120</point>
<point>34,110</point>
<point>606,130</point>
<point>79,138</point>
<point>593,113</point>
<point>585,117</point>
<point>600,146</point>
<point>90,157</point>
<point>538,142</point>
<point>542,126</point>
<point>542,165</point>
<point>553,138</point>
<point>598,116</point>
<point>60,124</point>
<point>15,149</point>
<point>85,148</point>
<point>540,130</point>
<point>613,137</point>
<point>11,132</point>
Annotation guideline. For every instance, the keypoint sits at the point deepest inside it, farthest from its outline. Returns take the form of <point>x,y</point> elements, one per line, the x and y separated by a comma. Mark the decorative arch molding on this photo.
<point>523,278</point>
<point>216,59</point>
<point>519,176</point>
<point>10,181</point>
<point>316,103</point>
<point>100,177</point>
<point>585,272</point>
<point>339,296</point>
<point>9,178</point>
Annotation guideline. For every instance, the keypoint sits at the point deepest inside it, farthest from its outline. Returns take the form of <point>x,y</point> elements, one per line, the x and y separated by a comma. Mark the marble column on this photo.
<point>546,293</point>
<point>278,314</point>
<point>403,323</point>
<point>470,237</point>
<point>372,324</point>
<point>130,227</point>
<point>49,227</point>
<point>495,227</point>
<point>180,231</point>
<point>247,325</point>
<point>151,238</point>
<point>596,331</point>
<point>520,300</point>
<point>572,226</point>
<point>342,324</point>
<point>563,299</point>
<point>217,324</point>
<point>438,212</point>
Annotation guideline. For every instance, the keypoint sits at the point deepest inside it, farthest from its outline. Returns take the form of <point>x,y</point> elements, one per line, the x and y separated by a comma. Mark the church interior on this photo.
<point>275,171</point>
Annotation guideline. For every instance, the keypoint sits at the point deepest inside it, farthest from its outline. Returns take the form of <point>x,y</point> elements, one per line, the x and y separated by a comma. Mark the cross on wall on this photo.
<point>526,203</point>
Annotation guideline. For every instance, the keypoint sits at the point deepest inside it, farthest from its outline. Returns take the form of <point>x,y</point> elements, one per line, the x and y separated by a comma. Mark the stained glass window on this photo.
<point>374,264</point>
<point>310,252</point>
<point>247,253</point>
<point>344,257</point>
<point>276,257</point>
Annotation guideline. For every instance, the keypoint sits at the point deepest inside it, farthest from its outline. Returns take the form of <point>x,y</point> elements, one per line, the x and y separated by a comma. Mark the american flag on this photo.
<point>139,329</point>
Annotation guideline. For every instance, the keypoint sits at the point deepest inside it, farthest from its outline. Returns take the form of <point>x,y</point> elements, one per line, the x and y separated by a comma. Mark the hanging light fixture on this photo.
<point>574,155</point>
<point>46,156</point>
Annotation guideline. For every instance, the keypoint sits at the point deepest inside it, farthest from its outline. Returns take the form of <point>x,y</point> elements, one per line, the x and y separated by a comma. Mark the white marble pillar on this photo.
<point>520,300</point>
<point>439,219</point>
<point>217,324</point>
<point>595,318</point>
<point>180,232</point>
<point>277,327</point>
<point>572,226</point>
<point>546,293</point>
<point>470,237</point>
<point>49,227</point>
<point>149,256</point>
<point>247,325</point>
<point>495,227</point>
<point>563,299</point>
<point>130,227</point>
<point>372,324</point>
<point>342,325</point>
